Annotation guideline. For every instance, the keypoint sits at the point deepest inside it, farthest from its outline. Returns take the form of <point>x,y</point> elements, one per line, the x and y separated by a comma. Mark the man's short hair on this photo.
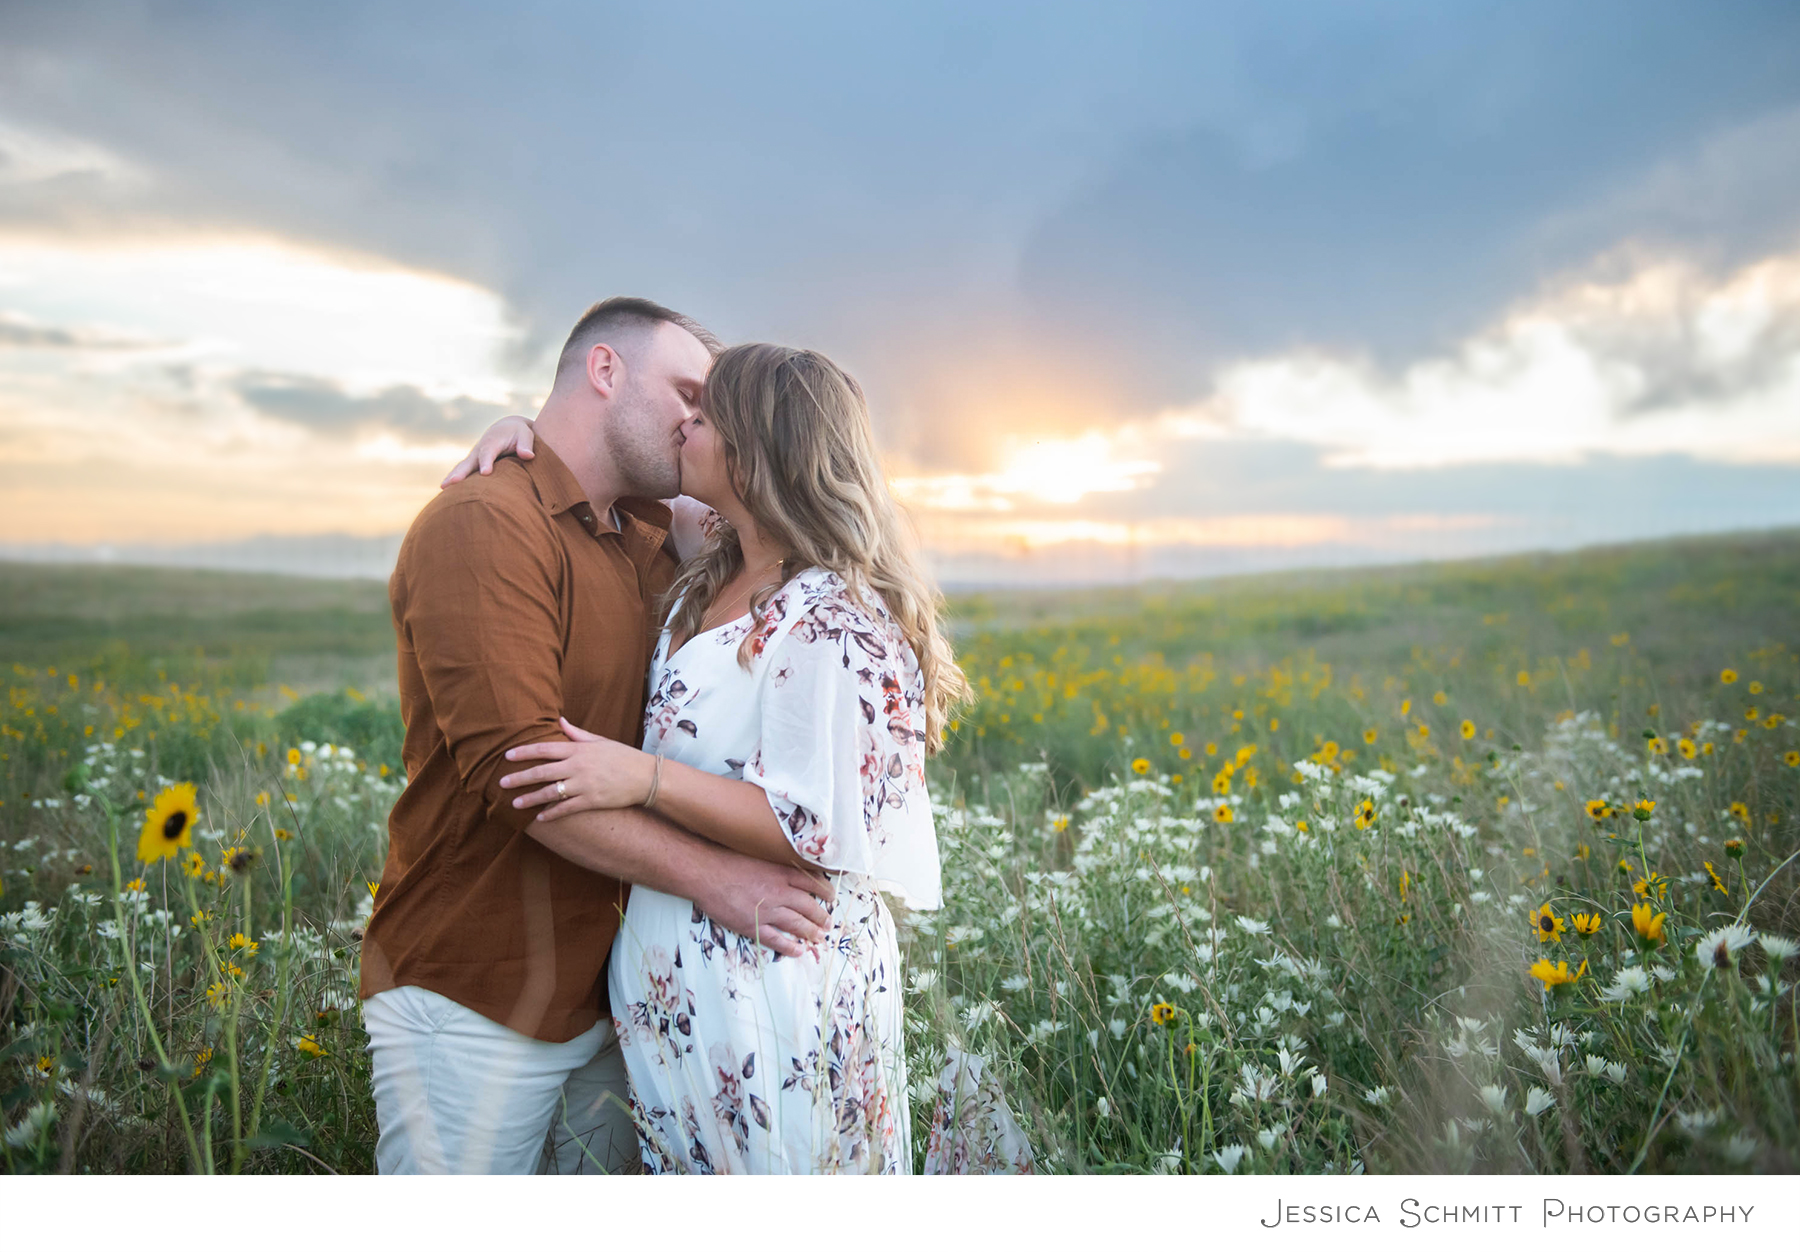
<point>623,318</point>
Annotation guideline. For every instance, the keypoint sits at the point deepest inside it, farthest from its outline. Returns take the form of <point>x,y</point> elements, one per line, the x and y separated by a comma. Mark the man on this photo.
<point>519,597</point>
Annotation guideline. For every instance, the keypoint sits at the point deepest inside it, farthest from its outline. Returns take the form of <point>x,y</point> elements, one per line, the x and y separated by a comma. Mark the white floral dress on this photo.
<point>743,1061</point>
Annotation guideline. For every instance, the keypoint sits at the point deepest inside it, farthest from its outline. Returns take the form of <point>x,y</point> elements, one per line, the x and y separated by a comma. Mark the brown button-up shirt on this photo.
<point>514,602</point>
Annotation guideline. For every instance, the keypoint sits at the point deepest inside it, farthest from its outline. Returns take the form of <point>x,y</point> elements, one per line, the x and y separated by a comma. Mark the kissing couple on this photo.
<point>670,668</point>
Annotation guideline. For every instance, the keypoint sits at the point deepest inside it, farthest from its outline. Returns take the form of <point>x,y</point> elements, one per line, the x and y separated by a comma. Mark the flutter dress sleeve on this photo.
<point>842,748</point>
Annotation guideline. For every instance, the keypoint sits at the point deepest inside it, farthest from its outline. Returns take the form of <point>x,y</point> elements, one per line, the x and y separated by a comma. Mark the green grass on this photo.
<point>1103,944</point>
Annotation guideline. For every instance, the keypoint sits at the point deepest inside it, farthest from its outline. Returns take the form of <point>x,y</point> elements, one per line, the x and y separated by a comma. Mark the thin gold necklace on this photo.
<point>706,622</point>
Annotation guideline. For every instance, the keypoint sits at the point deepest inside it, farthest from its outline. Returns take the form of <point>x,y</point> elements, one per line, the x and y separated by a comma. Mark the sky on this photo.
<point>1136,290</point>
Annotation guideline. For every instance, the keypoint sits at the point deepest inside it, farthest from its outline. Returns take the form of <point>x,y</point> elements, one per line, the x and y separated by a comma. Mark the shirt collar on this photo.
<point>643,524</point>
<point>561,492</point>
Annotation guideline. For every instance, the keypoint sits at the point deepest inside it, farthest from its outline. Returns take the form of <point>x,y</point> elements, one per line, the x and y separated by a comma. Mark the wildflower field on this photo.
<point>1484,866</point>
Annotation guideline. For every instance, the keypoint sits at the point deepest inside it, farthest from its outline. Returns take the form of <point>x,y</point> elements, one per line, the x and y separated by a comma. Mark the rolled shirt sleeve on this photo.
<point>481,615</point>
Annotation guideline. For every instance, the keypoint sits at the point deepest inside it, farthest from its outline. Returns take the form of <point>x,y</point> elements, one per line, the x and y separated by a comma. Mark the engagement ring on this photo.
<point>562,792</point>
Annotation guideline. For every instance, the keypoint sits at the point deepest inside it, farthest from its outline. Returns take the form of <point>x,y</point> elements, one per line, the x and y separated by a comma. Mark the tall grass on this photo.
<point>1251,877</point>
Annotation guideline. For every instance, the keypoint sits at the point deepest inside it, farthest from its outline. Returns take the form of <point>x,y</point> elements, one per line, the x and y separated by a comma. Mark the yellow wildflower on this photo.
<point>1557,975</point>
<point>1163,1013</point>
<point>1648,923</point>
<point>169,824</point>
<point>1546,925</point>
<point>1586,924</point>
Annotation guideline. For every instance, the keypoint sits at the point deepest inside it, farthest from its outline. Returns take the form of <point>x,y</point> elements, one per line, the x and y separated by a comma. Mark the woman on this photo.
<point>798,687</point>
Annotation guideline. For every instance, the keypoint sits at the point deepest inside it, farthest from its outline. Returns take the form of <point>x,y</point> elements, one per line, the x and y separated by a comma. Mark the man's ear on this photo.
<point>605,370</point>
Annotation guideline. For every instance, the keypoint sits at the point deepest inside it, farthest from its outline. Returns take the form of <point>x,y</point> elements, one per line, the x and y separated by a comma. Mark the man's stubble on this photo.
<point>645,457</point>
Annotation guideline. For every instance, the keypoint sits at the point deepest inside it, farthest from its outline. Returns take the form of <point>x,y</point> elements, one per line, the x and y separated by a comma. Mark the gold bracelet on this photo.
<point>655,784</point>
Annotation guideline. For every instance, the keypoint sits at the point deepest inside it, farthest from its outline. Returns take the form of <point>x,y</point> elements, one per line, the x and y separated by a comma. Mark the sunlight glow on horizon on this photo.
<point>122,363</point>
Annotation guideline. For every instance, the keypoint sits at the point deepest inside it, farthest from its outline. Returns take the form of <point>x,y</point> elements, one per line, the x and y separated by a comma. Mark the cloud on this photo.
<point>1174,266</point>
<point>235,302</point>
<point>31,156</point>
<point>1656,360</point>
<point>18,332</point>
<point>322,406</point>
<point>964,207</point>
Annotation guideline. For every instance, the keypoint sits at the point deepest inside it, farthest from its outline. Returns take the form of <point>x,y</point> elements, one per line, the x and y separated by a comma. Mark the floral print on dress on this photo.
<point>972,1130</point>
<point>742,1060</point>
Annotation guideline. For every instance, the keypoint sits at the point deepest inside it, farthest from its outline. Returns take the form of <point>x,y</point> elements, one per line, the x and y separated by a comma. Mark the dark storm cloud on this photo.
<point>1083,206</point>
<point>403,411</point>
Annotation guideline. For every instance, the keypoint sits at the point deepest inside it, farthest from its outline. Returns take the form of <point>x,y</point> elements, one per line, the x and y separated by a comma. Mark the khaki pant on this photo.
<point>458,1093</point>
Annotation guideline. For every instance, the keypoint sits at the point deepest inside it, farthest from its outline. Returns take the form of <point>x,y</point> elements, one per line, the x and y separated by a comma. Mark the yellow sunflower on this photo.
<point>1547,925</point>
<point>1586,924</point>
<point>1648,923</point>
<point>1163,1013</point>
<point>169,826</point>
<point>1557,975</point>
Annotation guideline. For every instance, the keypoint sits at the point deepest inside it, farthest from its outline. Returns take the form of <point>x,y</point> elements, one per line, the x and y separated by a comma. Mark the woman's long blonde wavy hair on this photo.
<point>799,447</point>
